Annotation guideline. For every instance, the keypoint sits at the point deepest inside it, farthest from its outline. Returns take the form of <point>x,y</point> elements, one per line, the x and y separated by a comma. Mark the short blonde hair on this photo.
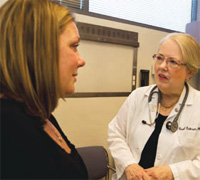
<point>190,50</point>
<point>29,53</point>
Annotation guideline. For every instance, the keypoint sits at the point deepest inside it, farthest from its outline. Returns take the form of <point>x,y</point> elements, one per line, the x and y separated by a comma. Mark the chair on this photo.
<point>96,161</point>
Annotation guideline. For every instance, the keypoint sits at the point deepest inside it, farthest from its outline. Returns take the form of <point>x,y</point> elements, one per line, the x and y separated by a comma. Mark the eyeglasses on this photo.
<point>171,62</point>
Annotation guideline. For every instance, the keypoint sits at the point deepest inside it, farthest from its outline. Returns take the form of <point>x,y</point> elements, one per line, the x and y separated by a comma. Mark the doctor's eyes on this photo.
<point>168,60</point>
<point>171,62</point>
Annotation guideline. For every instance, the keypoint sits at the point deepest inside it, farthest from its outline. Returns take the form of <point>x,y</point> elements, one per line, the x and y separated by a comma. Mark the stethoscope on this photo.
<point>172,126</point>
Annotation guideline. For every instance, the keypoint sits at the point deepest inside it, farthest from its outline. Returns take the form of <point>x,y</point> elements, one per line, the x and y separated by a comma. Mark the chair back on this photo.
<point>96,161</point>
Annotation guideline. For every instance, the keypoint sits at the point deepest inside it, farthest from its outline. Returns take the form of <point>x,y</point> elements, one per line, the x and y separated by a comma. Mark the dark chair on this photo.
<point>96,161</point>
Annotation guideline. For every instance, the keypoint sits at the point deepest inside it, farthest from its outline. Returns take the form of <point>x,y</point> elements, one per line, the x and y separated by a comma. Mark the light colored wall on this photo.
<point>148,40</point>
<point>115,61</point>
<point>2,1</point>
<point>85,120</point>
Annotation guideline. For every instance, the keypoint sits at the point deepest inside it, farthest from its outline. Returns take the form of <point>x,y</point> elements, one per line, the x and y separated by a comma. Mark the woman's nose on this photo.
<point>164,64</point>
<point>81,62</point>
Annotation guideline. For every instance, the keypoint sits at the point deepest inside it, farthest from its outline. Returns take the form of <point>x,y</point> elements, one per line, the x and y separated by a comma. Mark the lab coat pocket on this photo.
<point>189,144</point>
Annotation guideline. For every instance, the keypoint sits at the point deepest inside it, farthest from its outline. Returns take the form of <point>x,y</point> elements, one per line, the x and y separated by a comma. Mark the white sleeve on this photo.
<point>117,140</point>
<point>189,169</point>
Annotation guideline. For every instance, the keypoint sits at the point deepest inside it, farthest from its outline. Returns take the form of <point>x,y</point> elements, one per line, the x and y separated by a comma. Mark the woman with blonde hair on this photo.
<point>156,133</point>
<point>39,63</point>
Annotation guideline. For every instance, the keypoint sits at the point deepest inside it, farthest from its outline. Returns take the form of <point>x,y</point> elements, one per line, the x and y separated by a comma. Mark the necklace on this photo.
<point>165,108</point>
<point>52,128</point>
<point>56,136</point>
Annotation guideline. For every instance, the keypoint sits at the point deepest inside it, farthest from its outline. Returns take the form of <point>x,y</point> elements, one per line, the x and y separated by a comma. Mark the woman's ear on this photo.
<point>189,75</point>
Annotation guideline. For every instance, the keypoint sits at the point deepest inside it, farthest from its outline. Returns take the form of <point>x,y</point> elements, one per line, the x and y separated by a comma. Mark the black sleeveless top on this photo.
<point>149,152</point>
<point>27,152</point>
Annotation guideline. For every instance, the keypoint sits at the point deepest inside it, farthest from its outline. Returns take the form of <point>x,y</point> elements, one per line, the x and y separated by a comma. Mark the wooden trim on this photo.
<point>107,35</point>
<point>98,94</point>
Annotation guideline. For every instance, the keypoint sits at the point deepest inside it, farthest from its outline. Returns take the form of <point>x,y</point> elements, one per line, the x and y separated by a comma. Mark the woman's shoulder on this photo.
<point>14,112</point>
<point>15,122</point>
<point>194,96</point>
<point>9,105</point>
<point>194,90</point>
<point>142,91</point>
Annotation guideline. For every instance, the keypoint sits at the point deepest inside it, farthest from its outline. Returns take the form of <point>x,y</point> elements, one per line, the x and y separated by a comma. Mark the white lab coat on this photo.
<point>127,135</point>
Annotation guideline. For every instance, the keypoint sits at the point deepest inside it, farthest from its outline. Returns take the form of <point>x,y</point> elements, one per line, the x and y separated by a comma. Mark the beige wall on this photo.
<point>82,116</point>
<point>148,39</point>
<point>85,120</point>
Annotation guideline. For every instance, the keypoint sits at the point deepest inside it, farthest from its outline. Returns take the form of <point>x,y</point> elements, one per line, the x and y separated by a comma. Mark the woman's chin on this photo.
<point>68,92</point>
<point>71,91</point>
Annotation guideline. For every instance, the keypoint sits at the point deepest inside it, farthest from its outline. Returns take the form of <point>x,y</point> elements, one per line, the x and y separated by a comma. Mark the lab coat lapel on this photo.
<point>153,108</point>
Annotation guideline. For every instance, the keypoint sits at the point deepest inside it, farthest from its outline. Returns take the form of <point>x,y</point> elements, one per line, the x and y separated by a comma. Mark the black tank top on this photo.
<point>149,152</point>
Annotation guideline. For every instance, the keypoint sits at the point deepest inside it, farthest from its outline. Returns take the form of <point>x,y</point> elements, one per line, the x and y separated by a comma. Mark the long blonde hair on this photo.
<point>29,53</point>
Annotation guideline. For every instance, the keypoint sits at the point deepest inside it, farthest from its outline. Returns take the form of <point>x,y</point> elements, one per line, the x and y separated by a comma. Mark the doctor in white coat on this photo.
<point>156,133</point>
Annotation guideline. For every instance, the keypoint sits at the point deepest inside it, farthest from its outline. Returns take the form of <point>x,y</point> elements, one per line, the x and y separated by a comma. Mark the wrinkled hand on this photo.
<point>136,172</point>
<point>161,172</point>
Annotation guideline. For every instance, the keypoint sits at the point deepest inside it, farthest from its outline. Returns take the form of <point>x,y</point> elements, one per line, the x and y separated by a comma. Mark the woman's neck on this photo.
<point>170,97</point>
<point>169,101</point>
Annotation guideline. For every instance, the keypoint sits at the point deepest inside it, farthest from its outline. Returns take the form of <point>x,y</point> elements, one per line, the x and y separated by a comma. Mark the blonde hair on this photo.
<point>190,50</point>
<point>29,53</point>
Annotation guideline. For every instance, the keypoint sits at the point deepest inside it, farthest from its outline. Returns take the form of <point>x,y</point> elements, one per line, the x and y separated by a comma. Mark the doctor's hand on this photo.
<point>161,172</point>
<point>136,172</point>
